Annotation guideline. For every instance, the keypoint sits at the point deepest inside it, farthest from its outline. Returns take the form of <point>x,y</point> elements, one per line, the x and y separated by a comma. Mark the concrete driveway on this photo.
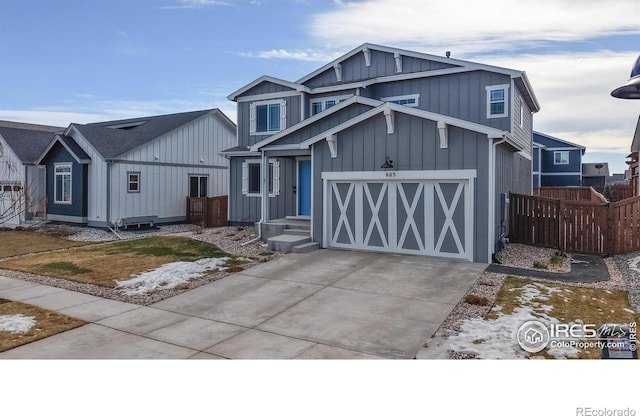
<point>323,304</point>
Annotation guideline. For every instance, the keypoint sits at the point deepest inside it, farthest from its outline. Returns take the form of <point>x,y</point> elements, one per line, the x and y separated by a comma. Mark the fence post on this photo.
<point>562,237</point>
<point>611,229</point>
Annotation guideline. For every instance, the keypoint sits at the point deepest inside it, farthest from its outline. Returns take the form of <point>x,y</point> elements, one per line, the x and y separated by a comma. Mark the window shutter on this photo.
<point>245,178</point>
<point>276,178</point>
<point>283,114</point>
<point>252,118</point>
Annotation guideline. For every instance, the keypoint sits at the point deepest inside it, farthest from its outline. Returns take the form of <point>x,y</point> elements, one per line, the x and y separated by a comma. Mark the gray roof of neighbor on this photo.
<point>113,138</point>
<point>27,144</point>
<point>595,169</point>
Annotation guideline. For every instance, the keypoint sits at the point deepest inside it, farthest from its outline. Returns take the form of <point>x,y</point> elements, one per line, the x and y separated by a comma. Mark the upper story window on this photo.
<point>497,101</point>
<point>561,157</point>
<point>133,182</point>
<point>320,104</point>
<point>408,100</point>
<point>267,117</point>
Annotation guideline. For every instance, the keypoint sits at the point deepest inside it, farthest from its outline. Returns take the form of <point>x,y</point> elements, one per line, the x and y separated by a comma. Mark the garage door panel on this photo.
<point>417,216</point>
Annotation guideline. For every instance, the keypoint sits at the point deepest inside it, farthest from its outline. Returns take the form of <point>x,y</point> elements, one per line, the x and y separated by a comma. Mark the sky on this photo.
<point>64,61</point>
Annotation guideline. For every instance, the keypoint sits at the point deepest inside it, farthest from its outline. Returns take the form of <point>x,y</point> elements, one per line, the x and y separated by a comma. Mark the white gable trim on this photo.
<point>266,78</point>
<point>55,140</point>
<point>353,100</point>
<point>451,121</point>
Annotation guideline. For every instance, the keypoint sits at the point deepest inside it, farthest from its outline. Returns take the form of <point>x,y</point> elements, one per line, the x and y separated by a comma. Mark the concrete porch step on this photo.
<point>284,243</point>
<point>298,231</point>
<point>306,247</point>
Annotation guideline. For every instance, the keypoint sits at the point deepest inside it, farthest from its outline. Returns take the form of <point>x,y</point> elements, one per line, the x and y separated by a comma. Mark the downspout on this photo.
<point>492,195</point>
<point>264,200</point>
<point>108,200</point>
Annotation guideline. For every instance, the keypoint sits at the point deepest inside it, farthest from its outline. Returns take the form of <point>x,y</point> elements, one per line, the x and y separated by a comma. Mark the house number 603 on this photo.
<point>391,174</point>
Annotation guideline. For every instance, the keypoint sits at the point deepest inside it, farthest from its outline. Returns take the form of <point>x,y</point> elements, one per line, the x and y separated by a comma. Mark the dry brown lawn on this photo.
<point>105,263</point>
<point>15,243</point>
<point>48,323</point>
<point>570,303</point>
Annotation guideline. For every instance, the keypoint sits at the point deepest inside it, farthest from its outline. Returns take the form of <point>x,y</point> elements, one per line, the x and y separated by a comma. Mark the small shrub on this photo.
<point>557,258</point>
<point>234,269</point>
<point>476,300</point>
<point>539,265</point>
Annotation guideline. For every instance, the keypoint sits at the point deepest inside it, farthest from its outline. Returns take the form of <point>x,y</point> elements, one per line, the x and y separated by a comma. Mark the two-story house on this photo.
<point>386,150</point>
<point>556,162</point>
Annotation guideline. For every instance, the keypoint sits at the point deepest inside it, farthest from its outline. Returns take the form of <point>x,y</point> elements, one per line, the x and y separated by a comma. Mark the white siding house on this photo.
<point>139,168</point>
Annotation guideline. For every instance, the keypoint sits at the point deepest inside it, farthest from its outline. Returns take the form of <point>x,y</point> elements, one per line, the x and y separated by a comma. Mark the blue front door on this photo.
<point>304,187</point>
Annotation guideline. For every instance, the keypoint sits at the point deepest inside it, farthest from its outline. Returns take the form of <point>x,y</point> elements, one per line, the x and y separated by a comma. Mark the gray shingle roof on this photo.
<point>111,141</point>
<point>27,144</point>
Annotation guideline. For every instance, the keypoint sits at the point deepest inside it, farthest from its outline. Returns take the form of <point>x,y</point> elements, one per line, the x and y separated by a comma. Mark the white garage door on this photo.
<point>413,212</point>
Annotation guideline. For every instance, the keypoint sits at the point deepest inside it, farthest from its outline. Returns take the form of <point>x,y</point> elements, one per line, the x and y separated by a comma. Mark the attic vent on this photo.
<point>127,126</point>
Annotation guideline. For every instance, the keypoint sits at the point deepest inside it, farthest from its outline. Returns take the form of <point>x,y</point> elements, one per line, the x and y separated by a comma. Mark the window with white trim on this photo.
<point>62,184</point>
<point>320,104</point>
<point>497,101</point>
<point>561,157</point>
<point>410,100</point>
<point>198,186</point>
<point>267,117</point>
<point>133,182</point>
<point>252,174</point>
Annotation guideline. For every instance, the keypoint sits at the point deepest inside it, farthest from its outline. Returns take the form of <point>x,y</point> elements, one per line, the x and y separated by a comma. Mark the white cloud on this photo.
<point>307,55</point>
<point>479,25</point>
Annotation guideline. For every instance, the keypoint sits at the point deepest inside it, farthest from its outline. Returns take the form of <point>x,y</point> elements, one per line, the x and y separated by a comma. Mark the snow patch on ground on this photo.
<point>633,264</point>
<point>497,339</point>
<point>16,324</point>
<point>170,275</point>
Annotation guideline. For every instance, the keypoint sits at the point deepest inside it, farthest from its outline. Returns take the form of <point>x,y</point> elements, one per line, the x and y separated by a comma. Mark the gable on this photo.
<point>266,87</point>
<point>26,144</point>
<point>551,142</point>
<point>359,67</point>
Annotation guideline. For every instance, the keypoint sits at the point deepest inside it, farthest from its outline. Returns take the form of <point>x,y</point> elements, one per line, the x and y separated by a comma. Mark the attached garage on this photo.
<point>426,212</point>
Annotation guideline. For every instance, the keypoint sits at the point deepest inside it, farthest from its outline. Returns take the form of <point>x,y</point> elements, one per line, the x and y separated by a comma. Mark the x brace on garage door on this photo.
<point>413,212</point>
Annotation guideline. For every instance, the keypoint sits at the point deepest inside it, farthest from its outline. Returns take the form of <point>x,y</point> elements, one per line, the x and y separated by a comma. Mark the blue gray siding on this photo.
<point>78,207</point>
<point>265,88</point>
<point>415,145</point>
<point>245,139</point>
<point>382,64</point>
<point>513,174</point>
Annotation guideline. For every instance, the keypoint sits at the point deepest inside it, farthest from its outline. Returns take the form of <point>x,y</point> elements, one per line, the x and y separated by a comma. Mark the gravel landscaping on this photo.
<point>228,239</point>
<point>624,271</point>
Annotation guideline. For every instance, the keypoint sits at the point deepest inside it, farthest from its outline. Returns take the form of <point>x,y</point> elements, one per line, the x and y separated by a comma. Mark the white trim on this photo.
<point>338,69</point>
<point>561,174</point>
<point>505,89</point>
<point>275,179</point>
<point>55,182</point>
<point>253,115</point>
<point>398,58</point>
<point>396,98</point>
<point>269,96</point>
<point>453,174</point>
<point>563,161</point>
<point>556,139</point>
<point>266,78</point>
<point>332,142</point>
<point>389,116</point>
<point>367,56</point>
<point>129,182</point>
<point>354,99</point>
<point>444,137</point>
<point>337,100</point>
<point>569,149</point>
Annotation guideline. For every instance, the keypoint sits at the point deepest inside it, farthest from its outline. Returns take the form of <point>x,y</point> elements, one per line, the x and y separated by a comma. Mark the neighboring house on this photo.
<point>386,150</point>
<point>556,162</point>
<point>22,181</point>
<point>617,179</point>
<point>136,170</point>
<point>595,174</point>
<point>633,162</point>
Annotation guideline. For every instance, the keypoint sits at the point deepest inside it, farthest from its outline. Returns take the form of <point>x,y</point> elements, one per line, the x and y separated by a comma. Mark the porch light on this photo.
<point>630,90</point>
<point>388,164</point>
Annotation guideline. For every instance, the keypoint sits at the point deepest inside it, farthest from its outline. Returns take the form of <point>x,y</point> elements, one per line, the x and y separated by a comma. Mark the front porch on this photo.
<point>290,234</point>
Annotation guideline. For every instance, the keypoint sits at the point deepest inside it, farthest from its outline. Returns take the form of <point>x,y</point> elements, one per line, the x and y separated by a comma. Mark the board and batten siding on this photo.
<point>11,171</point>
<point>244,136</point>
<point>246,209</point>
<point>382,64</point>
<point>522,128</point>
<point>415,145</point>
<point>462,96</point>
<point>513,174</point>
<point>168,161</point>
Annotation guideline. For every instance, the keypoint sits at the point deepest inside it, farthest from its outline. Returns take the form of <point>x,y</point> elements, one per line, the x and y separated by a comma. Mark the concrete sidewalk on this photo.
<point>323,304</point>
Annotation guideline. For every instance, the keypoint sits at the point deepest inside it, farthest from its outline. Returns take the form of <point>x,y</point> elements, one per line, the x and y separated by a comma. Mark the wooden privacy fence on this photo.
<point>210,212</point>
<point>585,193</point>
<point>575,226</point>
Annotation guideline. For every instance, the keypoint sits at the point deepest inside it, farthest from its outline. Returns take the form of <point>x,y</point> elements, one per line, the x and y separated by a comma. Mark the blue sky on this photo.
<point>64,61</point>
